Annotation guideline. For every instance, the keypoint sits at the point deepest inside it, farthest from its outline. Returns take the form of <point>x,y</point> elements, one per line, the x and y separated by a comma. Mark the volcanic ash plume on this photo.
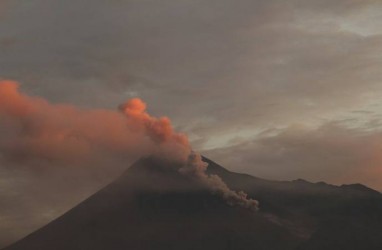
<point>161,131</point>
<point>196,167</point>
<point>34,130</point>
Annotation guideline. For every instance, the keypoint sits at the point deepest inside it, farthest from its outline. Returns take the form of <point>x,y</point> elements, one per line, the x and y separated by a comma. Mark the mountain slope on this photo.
<point>152,208</point>
<point>327,216</point>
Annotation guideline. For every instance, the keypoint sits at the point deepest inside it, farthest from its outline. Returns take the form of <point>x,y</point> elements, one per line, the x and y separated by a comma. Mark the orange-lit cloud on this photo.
<point>159,130</point>
<point>32,129</point>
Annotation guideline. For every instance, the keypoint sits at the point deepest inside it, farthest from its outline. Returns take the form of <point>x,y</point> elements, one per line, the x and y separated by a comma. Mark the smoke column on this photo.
<point>161,131</point>
<point>33,129</point>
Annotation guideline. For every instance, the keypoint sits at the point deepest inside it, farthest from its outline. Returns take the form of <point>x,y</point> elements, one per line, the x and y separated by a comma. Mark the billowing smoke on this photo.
<point>161,131</point>
<point>34,130</point>
<point>196,167</point>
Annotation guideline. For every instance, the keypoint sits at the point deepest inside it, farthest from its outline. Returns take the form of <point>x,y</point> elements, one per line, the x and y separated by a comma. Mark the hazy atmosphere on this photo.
<point>277,89</point>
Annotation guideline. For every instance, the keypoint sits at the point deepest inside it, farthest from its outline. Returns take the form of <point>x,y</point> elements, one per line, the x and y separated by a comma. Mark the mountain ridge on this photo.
<point>153,206</point>
<point>171,210</point>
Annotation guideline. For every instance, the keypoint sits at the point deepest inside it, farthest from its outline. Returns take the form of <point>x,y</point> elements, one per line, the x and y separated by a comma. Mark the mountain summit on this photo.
<point>154,207</point>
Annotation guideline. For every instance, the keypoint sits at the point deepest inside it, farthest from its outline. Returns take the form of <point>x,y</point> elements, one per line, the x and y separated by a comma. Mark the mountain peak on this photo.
<point>152,207</point>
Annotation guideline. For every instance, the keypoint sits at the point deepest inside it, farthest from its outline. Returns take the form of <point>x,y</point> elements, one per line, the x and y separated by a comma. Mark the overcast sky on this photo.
<point>274,88</point>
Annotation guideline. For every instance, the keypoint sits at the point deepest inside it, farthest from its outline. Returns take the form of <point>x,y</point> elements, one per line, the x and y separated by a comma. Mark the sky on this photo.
<point>278,89</point>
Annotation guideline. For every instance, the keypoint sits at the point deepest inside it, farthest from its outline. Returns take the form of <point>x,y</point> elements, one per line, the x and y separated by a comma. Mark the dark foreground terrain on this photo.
<point>149,208</point>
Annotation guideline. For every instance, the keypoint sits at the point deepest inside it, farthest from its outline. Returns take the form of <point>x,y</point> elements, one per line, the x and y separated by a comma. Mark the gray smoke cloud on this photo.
<point>197,167</point>
<point>161,131</point>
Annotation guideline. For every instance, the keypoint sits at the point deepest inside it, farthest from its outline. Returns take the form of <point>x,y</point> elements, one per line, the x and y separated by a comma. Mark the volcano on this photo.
<point>155,207</point>
<point>152,207</point>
